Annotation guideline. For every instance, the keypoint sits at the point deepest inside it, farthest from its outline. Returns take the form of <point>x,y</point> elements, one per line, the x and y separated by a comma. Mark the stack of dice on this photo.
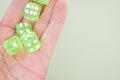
<point>25,36</point>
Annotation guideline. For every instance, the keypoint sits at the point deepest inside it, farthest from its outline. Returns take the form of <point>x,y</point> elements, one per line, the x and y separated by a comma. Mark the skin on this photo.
<point>24,66</point>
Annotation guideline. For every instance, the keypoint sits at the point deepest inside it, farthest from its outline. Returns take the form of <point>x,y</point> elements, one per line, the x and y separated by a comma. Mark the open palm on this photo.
<point>26,66</point>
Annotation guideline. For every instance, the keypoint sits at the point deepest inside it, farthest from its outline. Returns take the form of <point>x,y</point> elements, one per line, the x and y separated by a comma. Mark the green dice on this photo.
<point>25,37</point>
<point>45,2</point>
<point>13,45</point>
<point>31,42</point>
<point>32,11</point>
<point>22,28</point>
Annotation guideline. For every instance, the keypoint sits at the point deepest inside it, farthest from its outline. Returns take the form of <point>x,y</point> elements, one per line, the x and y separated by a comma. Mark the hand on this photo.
<point>25,66</point>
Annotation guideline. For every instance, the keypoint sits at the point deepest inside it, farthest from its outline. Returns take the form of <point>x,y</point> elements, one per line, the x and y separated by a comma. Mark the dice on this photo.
<point>25,37</point>
<point>45,2</point>
<point>13,45</point>
<point>31,42</point>
<point>22,28</point>
<point>32,11</point>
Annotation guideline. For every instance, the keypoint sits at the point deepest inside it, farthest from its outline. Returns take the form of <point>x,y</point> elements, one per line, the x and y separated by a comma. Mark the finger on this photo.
<point>14,13</point>
<point>51,34</point>
<point>43,22</point>
<point>5,33</point>
<point>56,23</point>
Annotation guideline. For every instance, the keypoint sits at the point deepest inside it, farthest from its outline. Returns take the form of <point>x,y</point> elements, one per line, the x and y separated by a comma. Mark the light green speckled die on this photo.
<point>32,11</point>
<point>31,42</point>
<point>13,45</point>
<point>45,2</point>
<point>23,27</point>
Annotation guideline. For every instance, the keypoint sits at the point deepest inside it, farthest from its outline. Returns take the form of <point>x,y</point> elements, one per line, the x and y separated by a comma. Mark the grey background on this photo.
<point>89,46</point>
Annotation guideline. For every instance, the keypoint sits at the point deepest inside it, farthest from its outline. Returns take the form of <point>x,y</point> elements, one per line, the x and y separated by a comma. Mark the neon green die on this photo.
<point>31,42</point>
<point>22,28</point>
<point>45,2</point>
<point>32,11</point>
<point>13,45</point>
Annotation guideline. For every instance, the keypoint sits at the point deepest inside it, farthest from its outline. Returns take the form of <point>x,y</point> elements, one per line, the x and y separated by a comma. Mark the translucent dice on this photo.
<point>32,11</point>
<point>45,2</point>
<point>13,45</point>
<point>22,28</point>
<point>25,37</point>
<point>31,42</point>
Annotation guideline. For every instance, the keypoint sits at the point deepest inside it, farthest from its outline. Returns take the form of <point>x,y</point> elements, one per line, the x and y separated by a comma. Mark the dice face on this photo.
<point>22,28</point>
<point>31,42</point>
<point>45,2</point>
<point>32,11</point>
<point>13,45</point>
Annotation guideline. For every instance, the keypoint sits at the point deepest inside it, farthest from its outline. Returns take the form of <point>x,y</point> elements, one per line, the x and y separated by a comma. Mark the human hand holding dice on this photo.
<point>19,39</point>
